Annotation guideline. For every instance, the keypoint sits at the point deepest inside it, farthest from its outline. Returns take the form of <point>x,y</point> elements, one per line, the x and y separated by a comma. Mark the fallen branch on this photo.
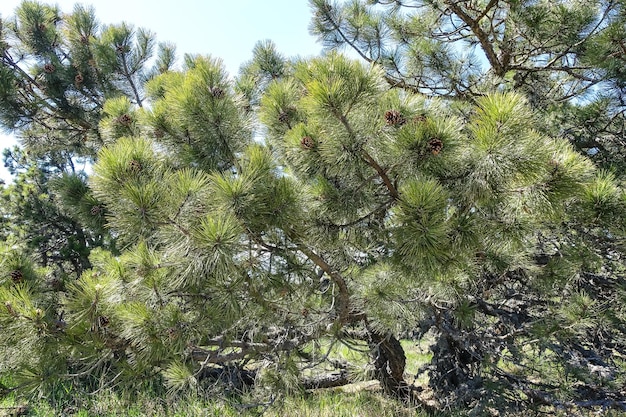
<point>543,398</point>
<point>335,379</point>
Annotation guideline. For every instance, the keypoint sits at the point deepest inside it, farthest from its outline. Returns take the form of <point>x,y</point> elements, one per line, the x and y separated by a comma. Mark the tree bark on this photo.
<point>389,364</point>
<point>335,379</point>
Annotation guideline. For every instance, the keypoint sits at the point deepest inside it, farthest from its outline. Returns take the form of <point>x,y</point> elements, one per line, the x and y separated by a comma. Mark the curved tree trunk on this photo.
<point>389,363</point>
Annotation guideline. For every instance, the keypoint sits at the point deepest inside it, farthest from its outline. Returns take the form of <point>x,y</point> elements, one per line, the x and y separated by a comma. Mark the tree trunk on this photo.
<point>389,364</point>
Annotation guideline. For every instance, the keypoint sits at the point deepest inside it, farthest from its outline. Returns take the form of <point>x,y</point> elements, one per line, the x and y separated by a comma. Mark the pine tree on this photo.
<point>56,74</point>
<point>566,58</point>
<point>48,223</point>
<point>411,194</point>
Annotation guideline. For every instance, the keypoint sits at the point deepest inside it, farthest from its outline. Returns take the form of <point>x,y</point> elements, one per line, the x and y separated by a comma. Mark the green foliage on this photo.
<point>198,116</point>
<point>179,377</point>
<point>428,192</point>
<point>422,236</point>
<point>32,213</point>
<point>266,65</point>
<point>603,197</point>
<point>217,239</point>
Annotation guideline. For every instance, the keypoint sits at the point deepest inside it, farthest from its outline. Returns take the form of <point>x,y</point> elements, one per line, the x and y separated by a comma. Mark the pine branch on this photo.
<point>245,349</point>
<point>394,82</point>
<point>570,70</point>
<point>367,157</point>
<point>483,38</point>
<point>343,297</point>
<point>393,191</point>
<point>129,78</point>
<point>336,379</point>
<point>381,208</point>
<point>336,27</point>
<point>543,398</point>
<point>210,356</point>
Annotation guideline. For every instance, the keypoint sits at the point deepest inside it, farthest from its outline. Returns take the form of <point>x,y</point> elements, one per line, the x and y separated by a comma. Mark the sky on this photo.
<point>227,29</point>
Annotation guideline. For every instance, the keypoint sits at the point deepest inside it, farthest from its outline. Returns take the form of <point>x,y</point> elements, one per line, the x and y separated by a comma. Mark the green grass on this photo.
<point>359,399</point>
<point>320,404</point>
<point>340,403</point>
<point>345,402</point>
<point>417,355</point>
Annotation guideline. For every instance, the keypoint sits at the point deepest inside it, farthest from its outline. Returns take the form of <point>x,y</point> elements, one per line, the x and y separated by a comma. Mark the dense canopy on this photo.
<point>459,186</point>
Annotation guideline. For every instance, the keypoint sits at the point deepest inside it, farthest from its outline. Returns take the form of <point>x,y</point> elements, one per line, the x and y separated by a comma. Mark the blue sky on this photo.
<point>227,29</point>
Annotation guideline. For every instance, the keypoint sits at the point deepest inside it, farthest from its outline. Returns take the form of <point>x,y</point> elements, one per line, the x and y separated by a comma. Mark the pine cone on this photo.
<point>327,7</point>
<point>435,145</point>
<point>307,143</point>
<point>49,68</point>
<point>78,80</point>
<point>96,210</point>
<point>17,276</point>
<point>134,165</point>
<point>125,120</point>
<point>120,49</point>
<point>217,92</point>
<point>394,118</point>
<point>283,117</point>
<point>103,321</point>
